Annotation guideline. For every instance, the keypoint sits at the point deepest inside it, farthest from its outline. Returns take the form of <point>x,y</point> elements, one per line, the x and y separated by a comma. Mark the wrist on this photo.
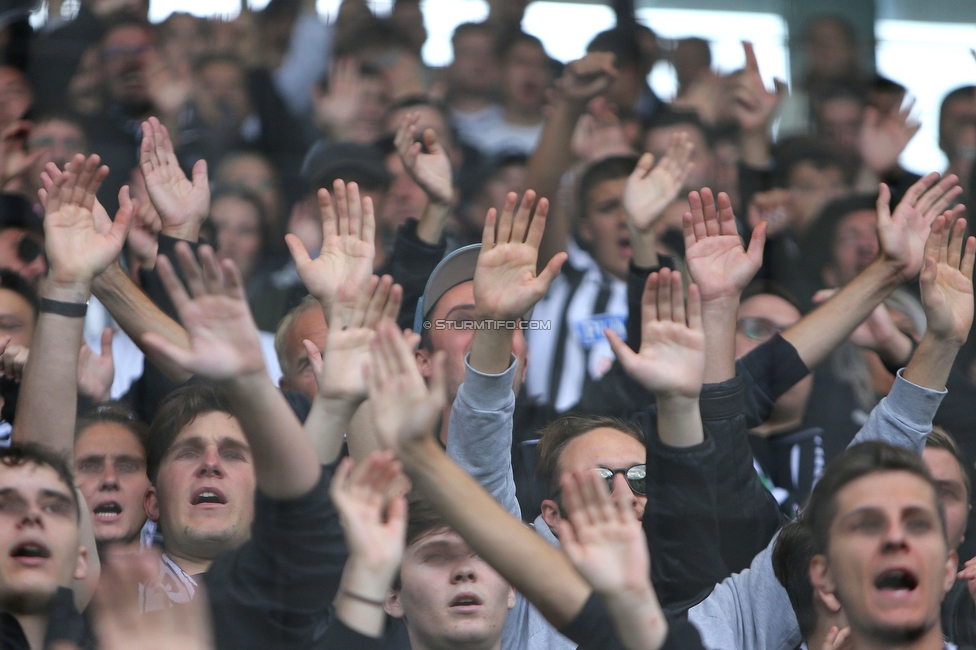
<point>188,231</point>
<point>491,349</point>
<point>934,340</point>
<point>73,291</point>
<point>369,578</point>
<point>340,405</point>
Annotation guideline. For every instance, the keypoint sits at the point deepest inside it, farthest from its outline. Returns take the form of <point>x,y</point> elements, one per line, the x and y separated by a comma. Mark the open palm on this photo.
<point>179,201</point>
<point>947,280</point>
<point>650,189</point>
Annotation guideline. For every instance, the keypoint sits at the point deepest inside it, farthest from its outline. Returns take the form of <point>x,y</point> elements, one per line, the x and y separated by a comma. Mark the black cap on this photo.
<point>350,161</point>
<point>16,212</point>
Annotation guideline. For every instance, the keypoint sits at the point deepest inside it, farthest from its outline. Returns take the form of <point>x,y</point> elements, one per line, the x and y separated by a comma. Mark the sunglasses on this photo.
<point>636,477</point>
<point>758,329</point>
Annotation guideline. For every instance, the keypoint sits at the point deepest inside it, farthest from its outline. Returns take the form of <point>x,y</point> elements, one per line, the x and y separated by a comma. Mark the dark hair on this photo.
<point>422,519</point>
<point>622,43</point>
<point>115,413</point>
<point>956,94</point>
<point>791,152</point>
<point>671,117</point>
<point>792,553</point>
<point>761,287</point>
<point>607,169</point>
<point>179,409</point>
<point>21,453</point>
<point>218,57</point>
<point>557,435</point>
<point>471,28</point>
<point>504,45</point>
<point>818,249</point>
<point>15,282</point>
<point>939,438</point>
<point>854,463</point>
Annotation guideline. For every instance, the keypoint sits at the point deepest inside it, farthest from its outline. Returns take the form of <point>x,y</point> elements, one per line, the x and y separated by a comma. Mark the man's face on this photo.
<point>811,189</point>
<point>238,232</point>
<point>449,596</point>
<point>125,56</point>
<point>220,93</point>
<point>457,306</point>
<point>404,199</point>
<point>311,325</point>
<point>39,539</point>
<point>608,448</point>
<point>204,494</point>
<point>949,480</point>
<point>855,247</point>
<point>59,140</point>
<point>957,128</point>
<point>525,77</point>
<point>374,104</point>
<point>702,173</point>
<point>254,173</point>
<point>840,123</point>
<point>475,69</point>
<point>828,50</point>
<point>13,249</point>
<point>887,562</point>
<point>603,227</point>
<point>110,470</point>
<point>15,96</point>
<point>16,318</point>
<point>510,178</point>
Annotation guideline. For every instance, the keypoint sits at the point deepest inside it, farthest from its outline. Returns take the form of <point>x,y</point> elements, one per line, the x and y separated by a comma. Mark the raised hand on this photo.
<point>968,572</point>
<point>404,408</point>
<point>337,109</point>
<point>431,171</point>
<point>182,205</point>
<point>14,159</point>
<point>947,280</point>
<point>884,137</point>
<point>671,359</point>
<point>838,639</point>
<point>351,330</point>
<point>903,234</point>
<point>754,104</point>
<point>96,372</point>
<point>224,341</point>
<point>586,78</point>
<point>650,189</point>
<point>506,286</point>
<point>346,257</point>
<point>716,260</point>
<point>81,241</point>
<point>372,506</point>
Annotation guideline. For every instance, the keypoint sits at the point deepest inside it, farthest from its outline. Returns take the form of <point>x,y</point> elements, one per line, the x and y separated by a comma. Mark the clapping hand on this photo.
<point>182,205</point>
<point>650,189</point>
<point>671,359</point>
<point>224,341</point>
<point>947,280</point>
<point>346,257</point>
<point>432,170</point>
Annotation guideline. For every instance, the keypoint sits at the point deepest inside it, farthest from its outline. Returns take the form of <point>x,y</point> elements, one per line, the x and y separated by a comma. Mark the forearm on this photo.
<point>821,331</point>
<point>754,148</point>
<point>430,228</point>
<point>895,350</point>
<point>368,619</point>
<point>137,315</point>
<point>285,465</point>
<point>930,364</point>
<point>637,618</point>
<point>679,422</point>
<point>491,350</point>
<point>48,398</point>
<point>718,319</point>
<point>543,574</point>
<point>327,424</point>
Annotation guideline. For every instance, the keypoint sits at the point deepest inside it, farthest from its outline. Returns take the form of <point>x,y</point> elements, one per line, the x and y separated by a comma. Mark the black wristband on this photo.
<point>61,308</point>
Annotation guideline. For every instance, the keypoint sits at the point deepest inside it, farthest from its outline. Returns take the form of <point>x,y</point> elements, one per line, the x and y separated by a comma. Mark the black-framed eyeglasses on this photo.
<point>758,329</point>
<point>28,249</point>
<point>636,477</point>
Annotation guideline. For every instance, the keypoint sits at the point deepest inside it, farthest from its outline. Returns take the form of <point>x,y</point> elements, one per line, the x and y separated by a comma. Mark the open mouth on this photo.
<point>208,496</point>
<point>896,580</point>
<point>108,511</point>
<point>465,600</point>
<point>31,550</point>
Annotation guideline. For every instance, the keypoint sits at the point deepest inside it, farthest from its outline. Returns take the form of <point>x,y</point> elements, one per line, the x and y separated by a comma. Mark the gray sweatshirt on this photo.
<point>479,439</point>
<point>751,610</point>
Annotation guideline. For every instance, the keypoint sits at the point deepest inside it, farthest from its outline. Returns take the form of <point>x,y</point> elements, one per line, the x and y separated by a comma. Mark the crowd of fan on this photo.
<point>305,344</point>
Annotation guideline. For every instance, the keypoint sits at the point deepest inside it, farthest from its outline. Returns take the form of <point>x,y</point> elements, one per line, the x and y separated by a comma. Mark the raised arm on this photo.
<point>649,190</point>
<point>902,235</point>
<point>753,110</point>
<point>721,268</point>
<point>225,348</point>
<point>431,171</point>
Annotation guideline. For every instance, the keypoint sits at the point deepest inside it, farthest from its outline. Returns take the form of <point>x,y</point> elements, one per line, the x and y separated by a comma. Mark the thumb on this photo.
<point>757,243</point>
<point>627,357</point>
<point>782,88</point>
<point>430,141</point>
<point>552,269</point>
<point>297,250</point>
<point>200,177</point>
<point>107,335</point>
<point>929,271</point>
<point>644,165</point>
<point>127,208</point>
<point>883,204</point>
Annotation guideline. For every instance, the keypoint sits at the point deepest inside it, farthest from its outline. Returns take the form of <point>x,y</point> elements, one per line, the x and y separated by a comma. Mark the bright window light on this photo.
<point>566,28</point>
<point>929,59</point>
<point>441,17</point>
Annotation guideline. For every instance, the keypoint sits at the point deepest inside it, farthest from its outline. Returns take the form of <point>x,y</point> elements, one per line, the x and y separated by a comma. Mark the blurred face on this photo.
<point>238,232</point>
<point>888,563</point>
<point>255,174</point>
<point>510,178</point>
<point>457,305</point>
<point>16,318</point>
<point>475,69</point>
<point>607,448</point>
<point>15,96</point>
<point>449,596</point>
<point>811,189</point>
<point>957,128</point>
<point>59,140</point>
<point>525,77</point>
<point>110,470</point>
<point>204,494</point>
<point>310,325</point>
<point>125,56</point>
<point>21,252</point>
<point>374,104</point>
<point>951,485</point>
<point>702,174</point>
<point>830,54</point>
<point>404,199</point>
<point>840,123</point>
<point>220,93</point>
<point>604,227</point>
<point>855,247</point>
<point>39,540</point>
